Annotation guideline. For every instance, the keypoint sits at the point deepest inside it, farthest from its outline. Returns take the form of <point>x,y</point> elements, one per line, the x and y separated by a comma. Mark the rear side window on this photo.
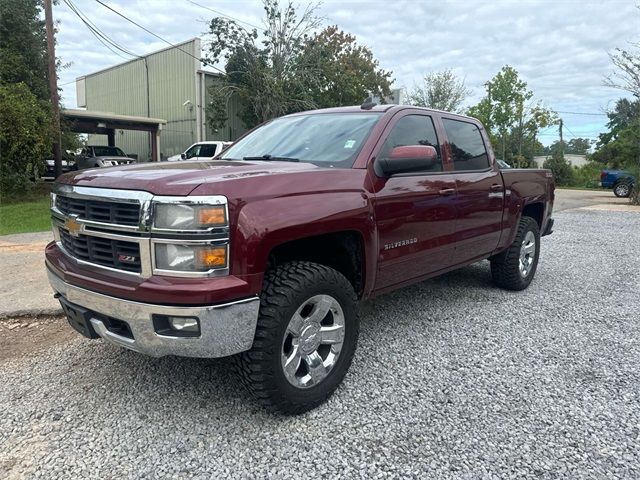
<point>207,150</point>
<point>413,130</point>
<point>467,147</point>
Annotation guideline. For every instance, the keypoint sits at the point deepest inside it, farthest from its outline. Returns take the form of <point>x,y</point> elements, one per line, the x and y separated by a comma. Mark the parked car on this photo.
<point>264,253</point>
<point>201,151</point>
<point>68,164</point>
<point>502,164</point>
<point>95,156</point>
<point>620,181</point>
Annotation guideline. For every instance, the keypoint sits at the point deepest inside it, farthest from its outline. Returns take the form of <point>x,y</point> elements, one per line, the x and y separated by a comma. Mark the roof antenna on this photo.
<point>368,104</point>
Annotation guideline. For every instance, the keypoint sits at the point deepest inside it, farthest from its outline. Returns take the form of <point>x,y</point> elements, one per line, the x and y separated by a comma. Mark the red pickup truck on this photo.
<point>263,252</point>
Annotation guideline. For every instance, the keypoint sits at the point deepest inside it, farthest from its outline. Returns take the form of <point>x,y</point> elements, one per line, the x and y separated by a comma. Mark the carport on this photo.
<point>86,121</point>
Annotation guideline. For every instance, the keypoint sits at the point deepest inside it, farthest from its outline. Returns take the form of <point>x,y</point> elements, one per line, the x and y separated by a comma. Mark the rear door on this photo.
<point>480,191</point>
<point>415,211</point>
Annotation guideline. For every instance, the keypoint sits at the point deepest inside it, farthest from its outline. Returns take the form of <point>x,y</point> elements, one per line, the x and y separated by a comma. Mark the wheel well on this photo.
<point>535,211</point>
<point>342,251</point>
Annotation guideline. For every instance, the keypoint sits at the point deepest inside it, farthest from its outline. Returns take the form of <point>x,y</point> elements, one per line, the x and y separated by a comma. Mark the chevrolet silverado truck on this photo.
<point>263,252</point>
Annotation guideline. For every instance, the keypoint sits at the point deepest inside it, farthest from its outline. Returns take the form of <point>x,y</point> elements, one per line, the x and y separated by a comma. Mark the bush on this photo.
<point>587,176</point>
<point>26,135</point>
<point>562,170</point>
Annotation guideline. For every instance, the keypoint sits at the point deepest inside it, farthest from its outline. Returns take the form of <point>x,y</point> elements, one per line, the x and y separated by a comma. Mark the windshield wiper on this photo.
<point>268,157</point>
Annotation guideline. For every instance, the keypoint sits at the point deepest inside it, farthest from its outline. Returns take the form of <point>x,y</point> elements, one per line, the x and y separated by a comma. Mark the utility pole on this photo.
<point>53,87</point>
<point>561,142</point>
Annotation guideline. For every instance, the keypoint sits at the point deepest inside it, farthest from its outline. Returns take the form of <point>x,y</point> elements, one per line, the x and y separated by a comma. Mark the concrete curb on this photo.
<point>31,313</point>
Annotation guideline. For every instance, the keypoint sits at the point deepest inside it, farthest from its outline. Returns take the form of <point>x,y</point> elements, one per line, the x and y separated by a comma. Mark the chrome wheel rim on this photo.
<point>527,254</point>
<point>313,341</point>
<point>622,189</point>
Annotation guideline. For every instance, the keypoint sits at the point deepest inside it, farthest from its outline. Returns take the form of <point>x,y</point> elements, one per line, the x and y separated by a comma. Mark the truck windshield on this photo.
<point>108,152</point>
<point>324,139</point>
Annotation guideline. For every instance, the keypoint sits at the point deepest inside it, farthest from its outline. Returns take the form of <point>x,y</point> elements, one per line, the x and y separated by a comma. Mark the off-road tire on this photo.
<point>286,288</point>
<point>622,189</point>
<point>505,266</point>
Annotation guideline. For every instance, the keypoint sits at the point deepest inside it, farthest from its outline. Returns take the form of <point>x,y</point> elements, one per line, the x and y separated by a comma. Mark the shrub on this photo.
<point>562,170</point>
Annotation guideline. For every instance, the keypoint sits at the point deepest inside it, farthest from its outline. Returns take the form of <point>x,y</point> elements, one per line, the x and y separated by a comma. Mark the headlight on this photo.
<point>190,258</point>
<point>107,163</point>
<point>177,216</point>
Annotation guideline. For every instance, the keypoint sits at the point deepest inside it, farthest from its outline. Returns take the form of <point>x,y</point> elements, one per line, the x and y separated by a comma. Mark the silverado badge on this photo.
<point>73,226</point>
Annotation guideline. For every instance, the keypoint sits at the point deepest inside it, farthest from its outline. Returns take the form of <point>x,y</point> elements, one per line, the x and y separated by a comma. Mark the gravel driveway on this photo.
<point>452,379</point>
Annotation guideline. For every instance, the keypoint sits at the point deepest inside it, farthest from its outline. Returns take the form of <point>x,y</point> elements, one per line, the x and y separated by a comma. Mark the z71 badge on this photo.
<point>400,243</point>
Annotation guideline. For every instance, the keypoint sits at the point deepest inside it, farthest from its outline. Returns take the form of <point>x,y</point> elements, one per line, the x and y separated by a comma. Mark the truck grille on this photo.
<point>99,211</point>
<point>102,251</point>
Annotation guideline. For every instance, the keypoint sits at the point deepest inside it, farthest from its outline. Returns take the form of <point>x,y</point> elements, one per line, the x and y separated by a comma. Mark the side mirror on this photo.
<point>408,158</point>
<point>183,156</point>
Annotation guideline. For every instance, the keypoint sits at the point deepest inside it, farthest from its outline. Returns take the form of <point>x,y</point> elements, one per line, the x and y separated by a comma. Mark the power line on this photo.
<point>583,113</point>
<point>223,14</point>
<point>101,36</point>
<point>156,35</point>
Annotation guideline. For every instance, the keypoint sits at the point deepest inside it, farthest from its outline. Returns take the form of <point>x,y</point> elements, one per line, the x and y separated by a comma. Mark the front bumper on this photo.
<point>225,329</point>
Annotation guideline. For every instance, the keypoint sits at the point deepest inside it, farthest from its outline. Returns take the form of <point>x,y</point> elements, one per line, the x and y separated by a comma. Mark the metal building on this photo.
<point>168,84</point>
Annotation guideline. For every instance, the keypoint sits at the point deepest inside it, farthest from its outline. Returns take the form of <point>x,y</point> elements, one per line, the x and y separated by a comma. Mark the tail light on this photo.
<point>603,174</point>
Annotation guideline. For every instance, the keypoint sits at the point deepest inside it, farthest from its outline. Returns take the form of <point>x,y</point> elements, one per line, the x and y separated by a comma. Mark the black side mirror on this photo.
<point>408,158</point>
<point>183,156</point>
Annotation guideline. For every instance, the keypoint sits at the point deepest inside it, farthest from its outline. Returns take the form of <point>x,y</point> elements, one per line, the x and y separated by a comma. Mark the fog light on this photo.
<point>170,326</point>
<point>184,324</point>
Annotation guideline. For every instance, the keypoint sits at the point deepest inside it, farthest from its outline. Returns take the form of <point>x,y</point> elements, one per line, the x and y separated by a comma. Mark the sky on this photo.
<point>560,47</point>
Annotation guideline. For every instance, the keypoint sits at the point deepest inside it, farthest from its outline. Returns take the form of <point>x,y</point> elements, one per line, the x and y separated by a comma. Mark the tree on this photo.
<point>264,75</point>
<point>512,124</point>
<point>346,73</point>
<point>440,90</point>
<point>23,46</point>
<point>575,146</point>
<point>26,134</point>
<point>290,67</point>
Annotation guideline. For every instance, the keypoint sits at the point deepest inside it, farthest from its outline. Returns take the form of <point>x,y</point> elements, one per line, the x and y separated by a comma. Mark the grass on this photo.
<point>26,216</point>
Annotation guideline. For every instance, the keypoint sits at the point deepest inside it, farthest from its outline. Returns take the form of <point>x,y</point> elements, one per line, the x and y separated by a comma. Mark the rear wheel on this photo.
<point>622,189</point>
<point>514,268</point>
<point>305,339</point>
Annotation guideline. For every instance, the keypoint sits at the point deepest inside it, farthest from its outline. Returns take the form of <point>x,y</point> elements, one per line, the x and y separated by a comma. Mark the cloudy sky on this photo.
<point>560,47</point>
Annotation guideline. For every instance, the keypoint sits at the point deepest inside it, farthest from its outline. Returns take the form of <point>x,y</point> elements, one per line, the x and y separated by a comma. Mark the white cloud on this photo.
<point>559,47</point>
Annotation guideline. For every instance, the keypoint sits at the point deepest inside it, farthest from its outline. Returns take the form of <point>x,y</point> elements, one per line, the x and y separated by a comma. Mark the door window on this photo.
<point>207,150</point>
<point>192,152</point>
<point>467,147</point>
<point>413,130</point>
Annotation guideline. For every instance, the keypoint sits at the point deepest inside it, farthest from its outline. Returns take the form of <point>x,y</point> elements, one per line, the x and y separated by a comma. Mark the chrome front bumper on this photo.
<point>225,329</point>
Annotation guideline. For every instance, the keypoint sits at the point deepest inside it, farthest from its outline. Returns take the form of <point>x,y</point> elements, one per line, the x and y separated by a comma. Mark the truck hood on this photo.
<point>182,178</point>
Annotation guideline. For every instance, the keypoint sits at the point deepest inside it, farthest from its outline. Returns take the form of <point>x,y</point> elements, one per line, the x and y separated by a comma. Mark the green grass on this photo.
<point>24,217</point>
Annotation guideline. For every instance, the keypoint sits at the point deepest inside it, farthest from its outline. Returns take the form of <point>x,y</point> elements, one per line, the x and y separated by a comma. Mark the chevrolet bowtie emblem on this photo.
<point>72,226</point>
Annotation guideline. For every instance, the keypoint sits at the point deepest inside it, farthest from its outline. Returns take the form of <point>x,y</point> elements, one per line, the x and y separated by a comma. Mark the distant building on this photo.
<point>168,84</point>
<point>574,160</point>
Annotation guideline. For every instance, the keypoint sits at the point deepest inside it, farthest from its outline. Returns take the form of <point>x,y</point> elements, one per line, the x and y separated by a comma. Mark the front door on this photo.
<point>414,212</point>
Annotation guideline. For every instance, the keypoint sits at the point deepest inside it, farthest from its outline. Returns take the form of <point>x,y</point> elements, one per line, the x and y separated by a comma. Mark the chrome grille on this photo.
<point>110,253</point>
<point>98,211</point>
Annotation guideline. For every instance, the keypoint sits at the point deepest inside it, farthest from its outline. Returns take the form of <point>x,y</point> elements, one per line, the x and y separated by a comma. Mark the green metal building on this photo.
<point>168,84</point>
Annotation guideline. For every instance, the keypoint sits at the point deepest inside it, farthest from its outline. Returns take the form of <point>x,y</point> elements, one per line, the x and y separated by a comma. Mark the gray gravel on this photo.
<point>452,379</point>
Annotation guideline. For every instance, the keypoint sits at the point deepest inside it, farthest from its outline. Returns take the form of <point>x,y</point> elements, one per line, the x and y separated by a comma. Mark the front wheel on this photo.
<point>622,189</point>
<point>514,268</point>
<point>305,339</point>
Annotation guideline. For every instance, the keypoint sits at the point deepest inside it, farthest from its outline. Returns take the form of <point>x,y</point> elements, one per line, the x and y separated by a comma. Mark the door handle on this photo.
<point>496,187</point>
<point>447,191</point>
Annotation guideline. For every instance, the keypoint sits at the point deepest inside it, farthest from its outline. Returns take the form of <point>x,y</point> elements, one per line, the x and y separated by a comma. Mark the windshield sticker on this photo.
<point>349,143</point>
